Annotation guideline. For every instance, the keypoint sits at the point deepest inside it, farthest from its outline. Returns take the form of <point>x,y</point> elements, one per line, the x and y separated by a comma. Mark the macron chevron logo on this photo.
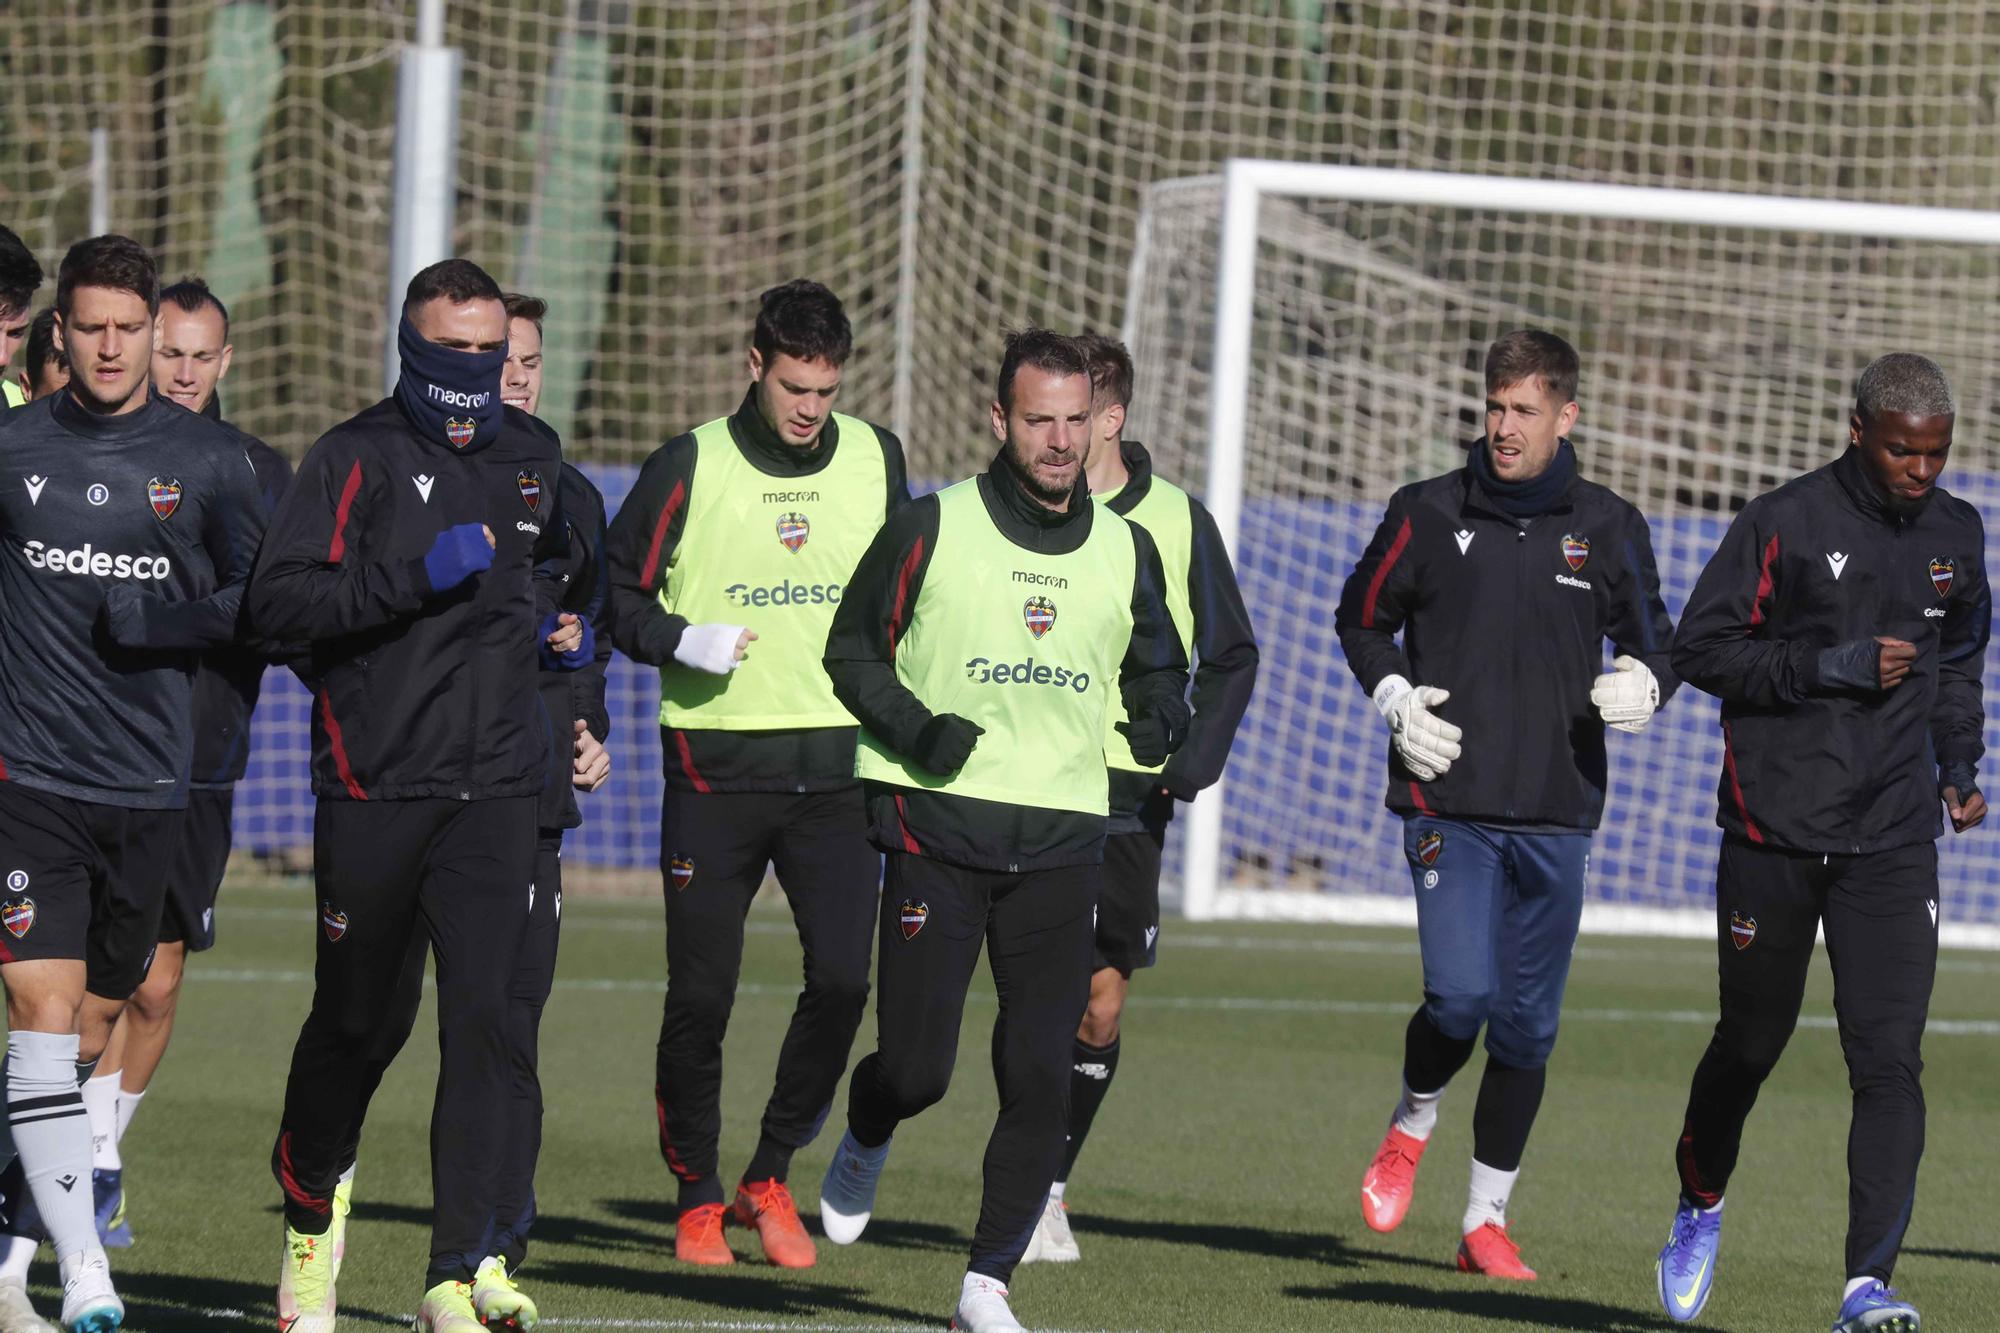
<point>35,485</point>
<point>424,485</point>
<point>1837,559</point>
<point>1464,539</point>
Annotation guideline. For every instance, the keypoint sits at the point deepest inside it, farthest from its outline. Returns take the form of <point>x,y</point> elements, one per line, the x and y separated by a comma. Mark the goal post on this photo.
<point>1247,292</point>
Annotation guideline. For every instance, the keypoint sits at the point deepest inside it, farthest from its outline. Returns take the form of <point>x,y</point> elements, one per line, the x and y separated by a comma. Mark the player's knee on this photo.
<point>1459,1014</point>
<point>1753,1047</point>
<point>840,990</point>
<point>911,1088</point>
<point>157,998</point>
<point>1521,1044</point>
<point>696,1012</point>
<point>1100,1020</point>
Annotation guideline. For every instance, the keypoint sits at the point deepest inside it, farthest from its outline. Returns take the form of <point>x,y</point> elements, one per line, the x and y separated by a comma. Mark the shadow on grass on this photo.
<point>557,1228</point>
<point>1304,1246</point>
<point>771,1292</point>
<point>1504,1306</point>
<point>173,1303</point>
<point>1968,1256</point>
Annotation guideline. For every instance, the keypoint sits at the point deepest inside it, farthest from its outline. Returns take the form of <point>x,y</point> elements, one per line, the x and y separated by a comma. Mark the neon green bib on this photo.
<point>1165,515</point>
<point>11,392</point>
<point>770,553</point>
<point>1026,645</point>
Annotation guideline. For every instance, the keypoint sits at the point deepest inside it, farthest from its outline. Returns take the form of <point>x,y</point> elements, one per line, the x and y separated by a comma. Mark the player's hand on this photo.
<point>125,614</point>
<point>593,761</point>
<point>1426,742</point>
<point>716,649</point>
<point>492,542</point>
<point>567,636</point>
<point>1147,737</point>
<point>945,743</point>
<point>457,554</point>
<point>1627,695</point>
<point>1964,813</point>
<point>1897,657</point>
<point>568,642</point>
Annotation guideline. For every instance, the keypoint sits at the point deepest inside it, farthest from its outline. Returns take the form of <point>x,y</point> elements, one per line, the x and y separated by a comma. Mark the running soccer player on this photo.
<point>44,369</point>
<point>20,276</point>
<point>127,532</point>
<point>978,643</point>
<point>1843,623</point>
<point>1513,559</point>
<point>727,562</point>
<point>413,553</point>
<point>191,355</point>
<point>1215,631</point>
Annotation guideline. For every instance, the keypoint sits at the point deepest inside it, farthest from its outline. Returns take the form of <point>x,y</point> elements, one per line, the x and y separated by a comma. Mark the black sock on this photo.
<point>1508,1101</point>
<point>770,1162</point>
<point>695,1193</point>
<point>1089,1079</point>
<point>1430,1058</point>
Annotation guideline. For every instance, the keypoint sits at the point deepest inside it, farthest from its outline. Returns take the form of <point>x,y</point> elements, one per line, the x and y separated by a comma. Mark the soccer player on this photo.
<point>412,553</point>
<point>20,276</point>
<point>987,636</point>
<point>1503,577</point>
<point>727,562</point>
<point>1214,630</point>
<point>191,354</point>
<point>44,368</point>
<point>128,528</point>
<point>1843,624</point>
<point>579,721</point>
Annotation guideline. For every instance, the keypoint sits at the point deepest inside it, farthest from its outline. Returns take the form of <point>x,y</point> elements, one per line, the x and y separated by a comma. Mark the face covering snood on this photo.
<point>451,396</point>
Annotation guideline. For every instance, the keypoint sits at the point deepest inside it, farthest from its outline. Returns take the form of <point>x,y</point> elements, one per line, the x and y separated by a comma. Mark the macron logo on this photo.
<point>424,487</point>
<point>1464,536</point>
<point>35,485</point>
<point>1837,559</point>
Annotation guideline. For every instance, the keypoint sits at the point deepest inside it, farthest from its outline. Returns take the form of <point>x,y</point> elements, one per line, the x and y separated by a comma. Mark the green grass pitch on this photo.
<point>1218,1191</point>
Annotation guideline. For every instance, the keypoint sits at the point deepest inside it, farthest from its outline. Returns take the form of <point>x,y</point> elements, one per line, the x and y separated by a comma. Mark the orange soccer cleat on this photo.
<point>1391,1179</point>
<point>1491,1252</point>
<point>767,1205</point>
<point>698,1236</point>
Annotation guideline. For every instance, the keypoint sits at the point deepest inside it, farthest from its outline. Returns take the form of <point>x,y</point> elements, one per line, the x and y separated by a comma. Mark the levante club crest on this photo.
<point>18,915</point>
<point>459,431</point>
<point>332,922</point>
<point>1429,846</point>
<point>166,498</point>
<point>681,868</point>
<point>530,482</point>
<point>1941,572</point>
<point>793,531</point>
<point>1742,929</point>
<point>1040,614</point>
<point>911,917</point>
<point>1576,550</point>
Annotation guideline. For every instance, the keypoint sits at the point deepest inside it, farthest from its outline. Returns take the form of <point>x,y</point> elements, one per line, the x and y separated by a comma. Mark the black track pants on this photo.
<point>534,978</point>
<point>393,876</point>
<point>714,848</point>
<point>1880,915</point>
<point>1038,935</point>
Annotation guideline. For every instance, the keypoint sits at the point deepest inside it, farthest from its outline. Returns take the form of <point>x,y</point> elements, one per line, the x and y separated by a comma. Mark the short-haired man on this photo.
<point>20,276</point>
<point>44,368</point>
<point>129,528</point>
<point>986,638</point>
<point>1843,623</point>
<point>415,553</point>
<point>1215,632</point>
<point>740,533</point>
<point>190,356</point>
<point>1504,577</point>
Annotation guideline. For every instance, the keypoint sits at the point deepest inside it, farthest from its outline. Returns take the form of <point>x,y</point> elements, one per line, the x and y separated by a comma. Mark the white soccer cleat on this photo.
<point>847,1195</point>
<point>982,1307</point>
<point>1053,1242</point>
<point>17,1312</point>
<point>90,1304</point>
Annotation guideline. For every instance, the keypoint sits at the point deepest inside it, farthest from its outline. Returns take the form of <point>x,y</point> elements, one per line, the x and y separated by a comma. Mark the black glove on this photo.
<point>1962,775</point>
<point>1148,738</point>
<point>1852,666</point>
<point>945,743</point>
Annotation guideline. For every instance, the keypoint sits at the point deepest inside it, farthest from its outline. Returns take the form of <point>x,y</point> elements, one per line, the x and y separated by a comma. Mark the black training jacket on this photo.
<point>861,662</point>
<point>1511,617</point>
<point>417,694</point>
<point>156,506</point>
<point>228,682</point>
<point>646,535</point>
<point>572,696</point>
<point>1823,561</point>
<point>1225,654</point>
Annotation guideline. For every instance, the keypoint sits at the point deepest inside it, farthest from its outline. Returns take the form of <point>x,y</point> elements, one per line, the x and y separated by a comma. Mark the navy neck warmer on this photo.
<point>1525,499</point>
<point>451,396</point>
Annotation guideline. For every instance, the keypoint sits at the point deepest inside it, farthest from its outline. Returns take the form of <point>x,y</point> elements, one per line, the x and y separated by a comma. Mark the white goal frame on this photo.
<point>1245,183</point>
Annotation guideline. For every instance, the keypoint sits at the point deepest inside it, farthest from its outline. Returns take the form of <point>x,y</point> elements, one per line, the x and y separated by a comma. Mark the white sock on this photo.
<point>16,1254</point>
<point>1056,1190</point>
<point>1486,1201</point>
<point>1854,1284</point>
<point>52,1134</point>
<point>128,1106</point>
<point>100,1103</point>
<point>1417,1114</point>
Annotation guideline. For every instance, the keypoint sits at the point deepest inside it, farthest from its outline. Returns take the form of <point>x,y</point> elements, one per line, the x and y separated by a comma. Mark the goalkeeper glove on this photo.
<point>1626,695</point>
<point>1426,742</point>
<point>710,648</point>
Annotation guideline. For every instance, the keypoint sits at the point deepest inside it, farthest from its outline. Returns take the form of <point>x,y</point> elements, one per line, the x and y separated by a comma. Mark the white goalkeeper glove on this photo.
<point>1626,695</point>
<point>1426,741</point>
<point>716,649</point>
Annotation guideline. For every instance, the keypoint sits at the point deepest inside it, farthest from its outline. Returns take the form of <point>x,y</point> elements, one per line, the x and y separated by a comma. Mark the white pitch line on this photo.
<point>1941,1027</point>
<point>588,1321</point>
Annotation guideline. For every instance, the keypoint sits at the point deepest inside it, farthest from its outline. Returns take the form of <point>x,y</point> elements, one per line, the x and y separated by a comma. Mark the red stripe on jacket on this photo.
<point>1389,560</point>
<point>337,548</point>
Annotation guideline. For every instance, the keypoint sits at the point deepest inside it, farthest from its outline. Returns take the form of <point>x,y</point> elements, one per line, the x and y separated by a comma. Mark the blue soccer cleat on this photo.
<point>1876,1306</point>
<point>1686,1268</point>
<point>107,1189</point>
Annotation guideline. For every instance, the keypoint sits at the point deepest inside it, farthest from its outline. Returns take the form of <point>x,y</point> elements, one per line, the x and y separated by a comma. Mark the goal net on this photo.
<point>1719,360</point>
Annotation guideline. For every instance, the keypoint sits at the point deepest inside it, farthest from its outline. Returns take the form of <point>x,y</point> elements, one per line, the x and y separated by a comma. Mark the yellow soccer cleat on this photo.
<point>498,1299</point>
